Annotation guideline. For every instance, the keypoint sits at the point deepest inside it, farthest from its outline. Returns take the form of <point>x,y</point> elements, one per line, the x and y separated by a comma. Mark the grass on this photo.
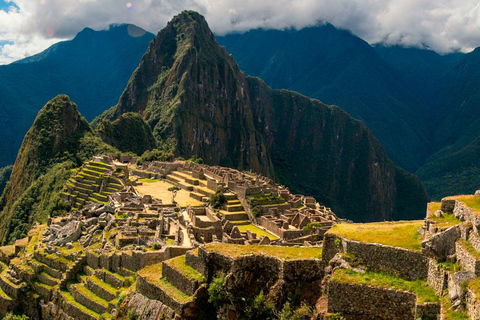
<point>178,263</point>
<point>450,314</point>
<point>153,275</point>
<point>148,180</point>
<point>70,299</point>
<point>471,201</point>
<point>35,233</point>
<point>451,266</point>
<point>257,230</point>
<point>286,253</point>
<point>381,280</point>
<point>475,287</point>
<point>467,246</point>
<point>159,190</point>
<point>170,242</point>
<point>104,285</point>
<point>445,221</point>
<point>90,295</point>
<point>402,234</point>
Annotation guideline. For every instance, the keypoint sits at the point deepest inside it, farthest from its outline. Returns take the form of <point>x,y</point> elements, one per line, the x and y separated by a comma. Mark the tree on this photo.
<point>174,191</point>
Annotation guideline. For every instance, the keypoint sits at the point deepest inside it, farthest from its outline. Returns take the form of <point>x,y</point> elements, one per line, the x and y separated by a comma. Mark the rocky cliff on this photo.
<point>199,103</point>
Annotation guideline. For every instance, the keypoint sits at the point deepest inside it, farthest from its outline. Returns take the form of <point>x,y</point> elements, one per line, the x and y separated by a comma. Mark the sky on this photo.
<point>30,26</point>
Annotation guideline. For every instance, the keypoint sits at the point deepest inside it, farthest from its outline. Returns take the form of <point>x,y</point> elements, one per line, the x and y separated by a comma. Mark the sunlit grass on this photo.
<point>402,234</point>
<point>286,253</point>
<point>381,280</point>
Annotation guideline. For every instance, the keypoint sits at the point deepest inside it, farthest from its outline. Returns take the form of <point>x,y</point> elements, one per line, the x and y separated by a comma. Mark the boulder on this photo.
<point>456,286</point>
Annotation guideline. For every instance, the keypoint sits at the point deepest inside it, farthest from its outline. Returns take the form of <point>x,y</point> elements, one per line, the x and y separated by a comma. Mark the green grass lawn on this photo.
<point>286,253</point>
<point>381,280</point>
<point>402,234</point>
<point>257,230</point>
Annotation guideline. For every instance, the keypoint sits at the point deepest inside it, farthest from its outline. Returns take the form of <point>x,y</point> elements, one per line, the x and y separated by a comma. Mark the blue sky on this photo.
<point>4,5</point>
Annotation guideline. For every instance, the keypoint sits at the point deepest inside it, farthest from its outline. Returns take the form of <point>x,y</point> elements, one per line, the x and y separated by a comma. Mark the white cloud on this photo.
<point>443,25</point>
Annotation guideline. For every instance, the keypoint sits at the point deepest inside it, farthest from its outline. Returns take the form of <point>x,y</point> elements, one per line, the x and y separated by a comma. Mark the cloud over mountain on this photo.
<point>28,26</point>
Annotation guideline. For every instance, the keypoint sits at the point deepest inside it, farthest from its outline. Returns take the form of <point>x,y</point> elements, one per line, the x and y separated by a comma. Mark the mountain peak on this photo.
<point>198,103</point>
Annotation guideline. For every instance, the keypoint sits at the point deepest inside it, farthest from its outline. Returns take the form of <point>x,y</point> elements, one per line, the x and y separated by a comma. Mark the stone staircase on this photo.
<point>180,283</point>
<point>91,183</point>
<point>234,211</point>
<point>197,187</point>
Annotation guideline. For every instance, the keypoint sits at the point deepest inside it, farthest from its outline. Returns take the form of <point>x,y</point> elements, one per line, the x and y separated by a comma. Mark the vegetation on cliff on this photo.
<point>128,133</point>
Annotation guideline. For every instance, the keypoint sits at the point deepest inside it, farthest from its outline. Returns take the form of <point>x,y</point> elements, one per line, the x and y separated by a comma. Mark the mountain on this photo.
<point>59,140</point>
<point>454,165</point>
<point>93,69</point>
<point>339,68</point>
<point>129,133</point>
<point>423,68</point>
<point>199,103</point>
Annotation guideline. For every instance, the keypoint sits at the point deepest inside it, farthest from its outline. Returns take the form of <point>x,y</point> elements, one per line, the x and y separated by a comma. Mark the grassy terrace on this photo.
<point>70,299</point>
<point>475,287</point>
<point>257,230</point>
<point>286,253</point>
<point>472,201</point>
<point>178,263</point>
<point>380,280</point>
<point>402,234</point>
<point>147,180</point>
<point>153,275</point>
<point>467,246</point>
<point>90,295</point>
<point>446,221</point>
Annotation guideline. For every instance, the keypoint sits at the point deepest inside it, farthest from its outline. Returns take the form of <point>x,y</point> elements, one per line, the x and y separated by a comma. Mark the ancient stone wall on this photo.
<point>473,305</point>
<point>364,302</point>
<point>405,263</point>
<point>154,292</point>
<point>467,259</point>
<point>179,280</point>
<point>196,263</point>
<point>437,277</point>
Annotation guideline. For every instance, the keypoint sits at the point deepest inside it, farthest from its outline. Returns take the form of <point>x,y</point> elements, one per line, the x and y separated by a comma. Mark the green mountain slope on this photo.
<point>129,133</point>
<point>60,139</point>
<point>93,69</point>
<point>198,103</point>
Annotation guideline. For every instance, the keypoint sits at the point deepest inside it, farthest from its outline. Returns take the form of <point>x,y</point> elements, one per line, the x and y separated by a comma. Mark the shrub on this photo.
<point>217,291</point>
<point>261,307</point>
<point>11,316</point>
<point>256,211</point>
<point>155,155</point>
<point>218,199</point>
<point>131,315</point>
<point>121,297</point>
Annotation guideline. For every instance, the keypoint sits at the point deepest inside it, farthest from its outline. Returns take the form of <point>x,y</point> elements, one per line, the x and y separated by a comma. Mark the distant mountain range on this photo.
<point>93,69</point>
<point>423,107</point>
